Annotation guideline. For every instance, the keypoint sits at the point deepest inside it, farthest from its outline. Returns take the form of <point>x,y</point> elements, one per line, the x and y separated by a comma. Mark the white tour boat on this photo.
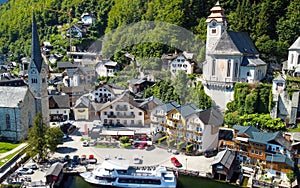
<point>118,173</point>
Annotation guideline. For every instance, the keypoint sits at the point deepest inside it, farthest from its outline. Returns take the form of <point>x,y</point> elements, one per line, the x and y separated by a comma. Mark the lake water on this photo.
<point>72,181</point>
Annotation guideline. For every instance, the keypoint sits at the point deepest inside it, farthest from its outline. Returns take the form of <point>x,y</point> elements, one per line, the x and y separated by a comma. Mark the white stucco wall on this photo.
<point>123,115</point>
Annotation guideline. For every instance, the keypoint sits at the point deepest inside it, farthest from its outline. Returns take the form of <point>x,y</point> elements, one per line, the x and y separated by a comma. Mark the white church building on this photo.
<point>231,57</point>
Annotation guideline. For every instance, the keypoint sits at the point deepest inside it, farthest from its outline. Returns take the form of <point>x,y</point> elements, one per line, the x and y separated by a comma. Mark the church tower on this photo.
<point>37,75</point>
<point>216,25</point>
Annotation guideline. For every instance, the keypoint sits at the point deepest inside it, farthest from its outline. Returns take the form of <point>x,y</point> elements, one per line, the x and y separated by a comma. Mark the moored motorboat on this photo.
<point>118,173</point>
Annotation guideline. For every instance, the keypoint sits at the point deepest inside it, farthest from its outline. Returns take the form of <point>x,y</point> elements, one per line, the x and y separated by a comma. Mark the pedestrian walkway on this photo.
<point>3,155</point>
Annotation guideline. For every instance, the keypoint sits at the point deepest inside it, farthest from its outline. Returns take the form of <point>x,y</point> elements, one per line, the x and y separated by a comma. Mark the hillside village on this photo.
<point>80,90</point>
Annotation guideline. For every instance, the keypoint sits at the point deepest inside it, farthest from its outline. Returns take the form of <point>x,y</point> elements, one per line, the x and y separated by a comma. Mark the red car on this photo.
<point>142,145</point>
<point>175,162</point>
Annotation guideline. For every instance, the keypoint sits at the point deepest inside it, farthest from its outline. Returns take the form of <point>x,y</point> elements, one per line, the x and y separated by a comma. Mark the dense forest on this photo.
<point>273,24</point>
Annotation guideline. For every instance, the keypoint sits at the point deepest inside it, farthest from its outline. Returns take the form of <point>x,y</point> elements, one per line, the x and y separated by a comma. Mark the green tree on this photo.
<point>180,84</point>
<point>43,139</point>
<point>198,96</point>
<point>53,136</point>
<point>36,138</point>
<point>291,175</point>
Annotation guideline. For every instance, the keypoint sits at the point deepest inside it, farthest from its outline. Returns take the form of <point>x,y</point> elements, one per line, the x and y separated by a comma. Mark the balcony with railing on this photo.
<point>125,116</point>
<point>121,108</point>
<point>159,114</point>
<point>111,116</point>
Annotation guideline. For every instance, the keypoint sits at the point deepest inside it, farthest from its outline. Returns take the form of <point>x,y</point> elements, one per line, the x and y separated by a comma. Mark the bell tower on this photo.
<point>37,75</point>
<point>216,25</point>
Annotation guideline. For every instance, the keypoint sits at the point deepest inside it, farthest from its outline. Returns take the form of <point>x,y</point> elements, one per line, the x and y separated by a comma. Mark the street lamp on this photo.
<point>185,163</point>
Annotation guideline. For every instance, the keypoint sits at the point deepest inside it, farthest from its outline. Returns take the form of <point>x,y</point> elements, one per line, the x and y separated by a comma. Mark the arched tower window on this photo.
<point>292,59</point>
<point>228,68</point>
<point>7,120</point>
<point>236,68</point>
<point>213,68</point>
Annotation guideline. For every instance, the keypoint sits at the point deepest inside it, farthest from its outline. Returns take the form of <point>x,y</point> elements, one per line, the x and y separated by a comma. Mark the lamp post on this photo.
<point>185,163</point>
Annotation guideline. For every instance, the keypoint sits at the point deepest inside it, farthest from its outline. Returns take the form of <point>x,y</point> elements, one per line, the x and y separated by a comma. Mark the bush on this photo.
<point>124,139</point>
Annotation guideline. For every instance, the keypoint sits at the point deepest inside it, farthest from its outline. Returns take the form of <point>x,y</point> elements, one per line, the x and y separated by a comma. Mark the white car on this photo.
<point>85,143</point>
<point>25,171</point>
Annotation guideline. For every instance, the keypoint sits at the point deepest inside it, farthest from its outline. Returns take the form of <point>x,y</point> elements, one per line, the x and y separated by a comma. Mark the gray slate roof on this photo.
<point>150,99</point>
<point>225,157</point>
<point>235,43</point>
<point>295,45</point>
<point>248,130</point>
<point>62,101</point>
<point>280,158</point>
<point>252,61</point>
<point>10,96</point>
<point>55,169</point>
<point>211,116</point>
<point>275,138</point>
<point>36,56</point>
<point>61,65</point>
<point>188,110</point>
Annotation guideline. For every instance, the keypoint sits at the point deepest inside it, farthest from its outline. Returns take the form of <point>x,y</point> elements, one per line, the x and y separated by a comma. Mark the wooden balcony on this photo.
<point>125,116</point>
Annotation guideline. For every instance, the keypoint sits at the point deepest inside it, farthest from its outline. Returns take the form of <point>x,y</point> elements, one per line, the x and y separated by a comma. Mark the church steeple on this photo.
<point>36,56</point>
<point>217,14</point>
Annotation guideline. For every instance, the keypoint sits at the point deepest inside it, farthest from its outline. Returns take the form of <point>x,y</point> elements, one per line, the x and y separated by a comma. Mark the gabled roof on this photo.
<point>280,158</point>
<point>83,102</point>
<point>188,110</point>
<point>225,158</point>
<point>125,97</point>
<point>10,97</point>
<point>279,78</point>
<point>235,43</point>
<point>252,62</point>
<point>36,56</point>
<point>295,45</point>
<point>77,89</point>
<point>62,101</point>
<point>211,116</point>
<point>169,106</point>
<point>248,130</point>
<point>265,138</point>
<point>55,169</point>
<point>151,99</point>
<point>67,65</point>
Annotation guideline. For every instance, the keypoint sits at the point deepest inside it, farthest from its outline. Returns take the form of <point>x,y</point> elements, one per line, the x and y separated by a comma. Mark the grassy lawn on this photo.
<point>7,158</point>
<point>5,147</point>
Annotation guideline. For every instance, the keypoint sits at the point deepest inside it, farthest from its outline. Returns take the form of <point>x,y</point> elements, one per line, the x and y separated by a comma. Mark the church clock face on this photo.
<point>214,23</point>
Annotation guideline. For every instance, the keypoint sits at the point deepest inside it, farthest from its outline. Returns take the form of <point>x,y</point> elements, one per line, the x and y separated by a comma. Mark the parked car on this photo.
<point>175,162</point>
<point>67,158</point>
<point>83,160</point>
<point>25,171</point>
<point>142,145</point>
<point>75,160</point>
<point>32,166</point>
<point>85,143</point>
<point>92,143</point>
<point>210,153</point>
